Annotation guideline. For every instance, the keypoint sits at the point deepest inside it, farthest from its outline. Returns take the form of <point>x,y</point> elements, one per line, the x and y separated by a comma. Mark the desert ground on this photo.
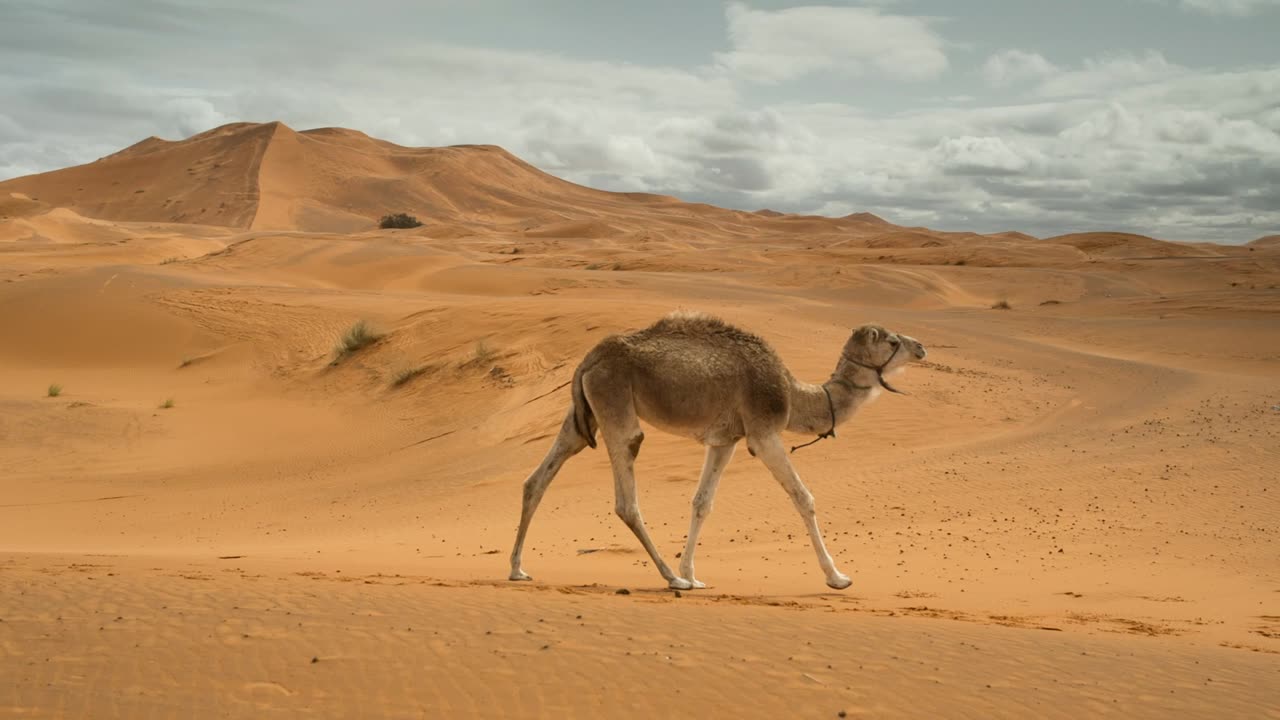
<point>206,512</point>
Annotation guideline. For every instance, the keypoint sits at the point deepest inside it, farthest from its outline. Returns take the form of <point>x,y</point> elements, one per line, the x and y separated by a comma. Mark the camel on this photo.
<point>697,376</point>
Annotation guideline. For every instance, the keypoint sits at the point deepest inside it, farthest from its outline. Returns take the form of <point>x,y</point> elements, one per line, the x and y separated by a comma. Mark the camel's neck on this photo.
<point>850,387</point>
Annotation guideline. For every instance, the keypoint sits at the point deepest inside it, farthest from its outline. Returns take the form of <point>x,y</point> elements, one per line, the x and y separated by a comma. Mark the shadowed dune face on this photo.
<point>1074,506</point>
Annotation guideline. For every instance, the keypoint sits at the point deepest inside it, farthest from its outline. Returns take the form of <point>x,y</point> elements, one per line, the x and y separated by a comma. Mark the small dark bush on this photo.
<point>399,220</point>
<point>1002,305</point>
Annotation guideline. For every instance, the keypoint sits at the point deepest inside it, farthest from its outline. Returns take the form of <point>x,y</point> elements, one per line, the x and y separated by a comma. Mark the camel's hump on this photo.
<point>700,325</point>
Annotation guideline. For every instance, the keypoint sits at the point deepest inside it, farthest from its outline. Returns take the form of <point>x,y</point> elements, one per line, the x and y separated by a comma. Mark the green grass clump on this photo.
<point>356,338</point>
<point>55,390</point>
<point>166,404</point>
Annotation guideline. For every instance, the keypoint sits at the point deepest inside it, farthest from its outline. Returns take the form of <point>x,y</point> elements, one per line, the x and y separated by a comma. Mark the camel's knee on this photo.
<point>803,500</point>
<point>702,503</point>
<point>628,511</point>
<point>532,489</point>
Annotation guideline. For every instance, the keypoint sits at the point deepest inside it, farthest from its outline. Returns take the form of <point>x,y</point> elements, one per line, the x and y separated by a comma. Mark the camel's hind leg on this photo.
<point>622,436</point>
<point>773,453</point>
<point>717,460</point>
<point>568,443</point>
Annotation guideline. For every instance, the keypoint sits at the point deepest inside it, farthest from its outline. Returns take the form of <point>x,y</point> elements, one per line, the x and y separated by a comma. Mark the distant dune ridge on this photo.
<point>267,176</point>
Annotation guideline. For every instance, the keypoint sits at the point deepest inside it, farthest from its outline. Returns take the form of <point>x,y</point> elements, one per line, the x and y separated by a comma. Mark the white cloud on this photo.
<point>1229,7</point>
<point>1015,66</point>
<point>1102,74</point>
<point>1195,155</point>
<point>771,46</point>
<point>191,115</point>
<point>968,155</point>
<point>1113,124</point>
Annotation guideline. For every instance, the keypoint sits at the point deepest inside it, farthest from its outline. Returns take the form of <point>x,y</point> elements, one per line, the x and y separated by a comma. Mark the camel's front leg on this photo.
<point>773,453</point>
<point>712,468</point>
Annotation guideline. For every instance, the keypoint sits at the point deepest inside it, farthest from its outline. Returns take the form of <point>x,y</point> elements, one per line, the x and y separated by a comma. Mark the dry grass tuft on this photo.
<point>405,375</point>
<point>357,337</point>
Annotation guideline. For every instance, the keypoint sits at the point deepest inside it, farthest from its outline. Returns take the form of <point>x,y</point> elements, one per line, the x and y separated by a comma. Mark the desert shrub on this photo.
<point>1002,305</point>
<point>484,353</point>
<point>55,390</point>
<point>404,375</point>
<point>166,404</point>
<point>399,220</point>
<point>357,337</point>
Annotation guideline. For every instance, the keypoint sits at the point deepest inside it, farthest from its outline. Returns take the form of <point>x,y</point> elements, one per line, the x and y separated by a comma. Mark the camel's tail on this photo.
<point>584,421</point>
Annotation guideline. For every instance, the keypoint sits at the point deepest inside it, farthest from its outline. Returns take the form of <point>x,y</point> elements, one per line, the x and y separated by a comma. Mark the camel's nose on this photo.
<point>920,351</point>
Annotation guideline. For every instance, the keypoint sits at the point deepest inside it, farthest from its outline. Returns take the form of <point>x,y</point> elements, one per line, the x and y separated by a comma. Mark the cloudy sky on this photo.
<point>1047,116</point>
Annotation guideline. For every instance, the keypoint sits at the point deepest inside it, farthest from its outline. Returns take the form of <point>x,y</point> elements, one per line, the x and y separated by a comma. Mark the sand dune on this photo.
<point>1122,245</point>
<point>1072,513</point>
<point>269,177</point>
<point>209,179</point>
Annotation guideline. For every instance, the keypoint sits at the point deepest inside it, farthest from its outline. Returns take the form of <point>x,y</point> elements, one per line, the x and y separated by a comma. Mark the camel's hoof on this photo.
<point>519,575</point>
<point>697,584</point>
<point>681,584</point>
<point>839,582</point>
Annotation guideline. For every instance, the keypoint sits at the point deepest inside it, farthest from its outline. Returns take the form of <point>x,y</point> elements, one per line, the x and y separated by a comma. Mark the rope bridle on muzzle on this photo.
<point>880,369</point>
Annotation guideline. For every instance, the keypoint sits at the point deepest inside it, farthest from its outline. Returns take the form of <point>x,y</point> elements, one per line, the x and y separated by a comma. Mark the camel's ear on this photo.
<point>867,335</point>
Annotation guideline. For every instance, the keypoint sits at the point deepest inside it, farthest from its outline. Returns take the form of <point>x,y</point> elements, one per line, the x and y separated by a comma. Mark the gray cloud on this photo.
<point>1227,7</point>
<point>1014,66</point>
<point>776,45</point>
<point>734,173</point>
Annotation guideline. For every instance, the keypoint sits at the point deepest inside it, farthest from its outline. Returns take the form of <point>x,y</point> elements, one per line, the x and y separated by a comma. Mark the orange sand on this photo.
<point>1073,513</point>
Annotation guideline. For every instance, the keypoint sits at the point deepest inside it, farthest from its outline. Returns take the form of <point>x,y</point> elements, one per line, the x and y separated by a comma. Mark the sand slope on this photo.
<point>267,176</point>
<point>395,646</point>
<point>1072,513</point>
<point>210,178</point>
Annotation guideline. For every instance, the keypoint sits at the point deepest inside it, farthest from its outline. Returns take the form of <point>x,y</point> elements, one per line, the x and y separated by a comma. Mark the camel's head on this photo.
<point>876,347</point>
